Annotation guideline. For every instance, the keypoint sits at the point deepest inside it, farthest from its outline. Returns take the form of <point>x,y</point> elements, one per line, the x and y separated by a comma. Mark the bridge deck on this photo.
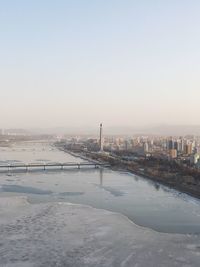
<point>46,165</point>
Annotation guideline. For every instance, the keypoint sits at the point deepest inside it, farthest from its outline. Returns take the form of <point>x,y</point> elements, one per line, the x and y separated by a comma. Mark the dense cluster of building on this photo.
<point>185,150</point>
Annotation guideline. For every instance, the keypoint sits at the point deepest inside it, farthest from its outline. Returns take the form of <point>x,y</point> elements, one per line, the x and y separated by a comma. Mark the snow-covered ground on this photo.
<point>61,234</point>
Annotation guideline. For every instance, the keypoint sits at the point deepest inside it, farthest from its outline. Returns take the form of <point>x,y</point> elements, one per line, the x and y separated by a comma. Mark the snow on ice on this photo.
<point>63,234</point>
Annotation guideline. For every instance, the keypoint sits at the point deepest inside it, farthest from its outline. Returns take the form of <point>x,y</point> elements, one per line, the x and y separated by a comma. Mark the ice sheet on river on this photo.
<point>60,234</point>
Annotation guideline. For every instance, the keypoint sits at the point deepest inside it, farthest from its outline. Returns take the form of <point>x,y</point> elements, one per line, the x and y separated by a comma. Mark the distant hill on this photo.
<point>127,130</point>
<point>174,130</point>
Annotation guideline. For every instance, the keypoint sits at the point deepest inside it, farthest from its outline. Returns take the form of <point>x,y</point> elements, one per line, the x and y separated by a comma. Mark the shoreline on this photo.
<point>179,188</point>
<point>169,185</point>
<point>91,235</point>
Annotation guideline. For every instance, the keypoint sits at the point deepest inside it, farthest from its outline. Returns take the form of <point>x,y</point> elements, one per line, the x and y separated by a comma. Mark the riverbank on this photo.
<point>177,187</point>
<point>188,185</point>
<point>156,179</point>
<point>192,191</point>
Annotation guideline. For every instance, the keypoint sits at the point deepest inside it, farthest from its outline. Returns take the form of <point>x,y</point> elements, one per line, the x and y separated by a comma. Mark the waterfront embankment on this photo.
<point>161,172</point>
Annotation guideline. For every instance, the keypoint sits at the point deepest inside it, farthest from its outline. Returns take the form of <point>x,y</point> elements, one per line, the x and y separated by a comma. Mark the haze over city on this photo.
<point>77,63</point>
<point>99,133</point>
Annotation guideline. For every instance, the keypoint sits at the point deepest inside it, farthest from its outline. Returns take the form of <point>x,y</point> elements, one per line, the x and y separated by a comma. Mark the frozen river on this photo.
<point>67,235</point>
<point>144,202</point>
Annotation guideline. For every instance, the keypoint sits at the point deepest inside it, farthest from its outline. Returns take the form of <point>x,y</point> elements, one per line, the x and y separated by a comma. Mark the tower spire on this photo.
<point>101,137</point>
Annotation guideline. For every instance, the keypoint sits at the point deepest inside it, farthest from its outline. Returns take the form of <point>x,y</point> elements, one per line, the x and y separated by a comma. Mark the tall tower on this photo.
<point>101,137</point>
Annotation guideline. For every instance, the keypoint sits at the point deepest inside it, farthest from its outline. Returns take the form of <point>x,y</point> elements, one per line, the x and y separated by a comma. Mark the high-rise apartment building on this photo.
<point>173,153</point>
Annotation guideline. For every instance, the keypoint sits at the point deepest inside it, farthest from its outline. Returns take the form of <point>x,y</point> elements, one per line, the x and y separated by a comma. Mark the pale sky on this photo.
<point>81,62</point>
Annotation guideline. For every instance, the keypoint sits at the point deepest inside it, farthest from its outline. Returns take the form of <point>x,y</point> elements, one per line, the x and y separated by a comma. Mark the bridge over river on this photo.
<point>56,165</point>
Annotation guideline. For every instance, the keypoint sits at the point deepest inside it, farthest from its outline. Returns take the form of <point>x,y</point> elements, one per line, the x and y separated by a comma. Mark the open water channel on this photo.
<point>146,203</point>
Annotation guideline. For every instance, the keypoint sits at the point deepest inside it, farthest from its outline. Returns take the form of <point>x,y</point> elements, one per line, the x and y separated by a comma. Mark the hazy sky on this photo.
<point>81,62</point>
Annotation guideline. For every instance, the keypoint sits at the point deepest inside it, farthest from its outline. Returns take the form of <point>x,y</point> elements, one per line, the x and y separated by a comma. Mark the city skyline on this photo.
<point>75,63</point>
